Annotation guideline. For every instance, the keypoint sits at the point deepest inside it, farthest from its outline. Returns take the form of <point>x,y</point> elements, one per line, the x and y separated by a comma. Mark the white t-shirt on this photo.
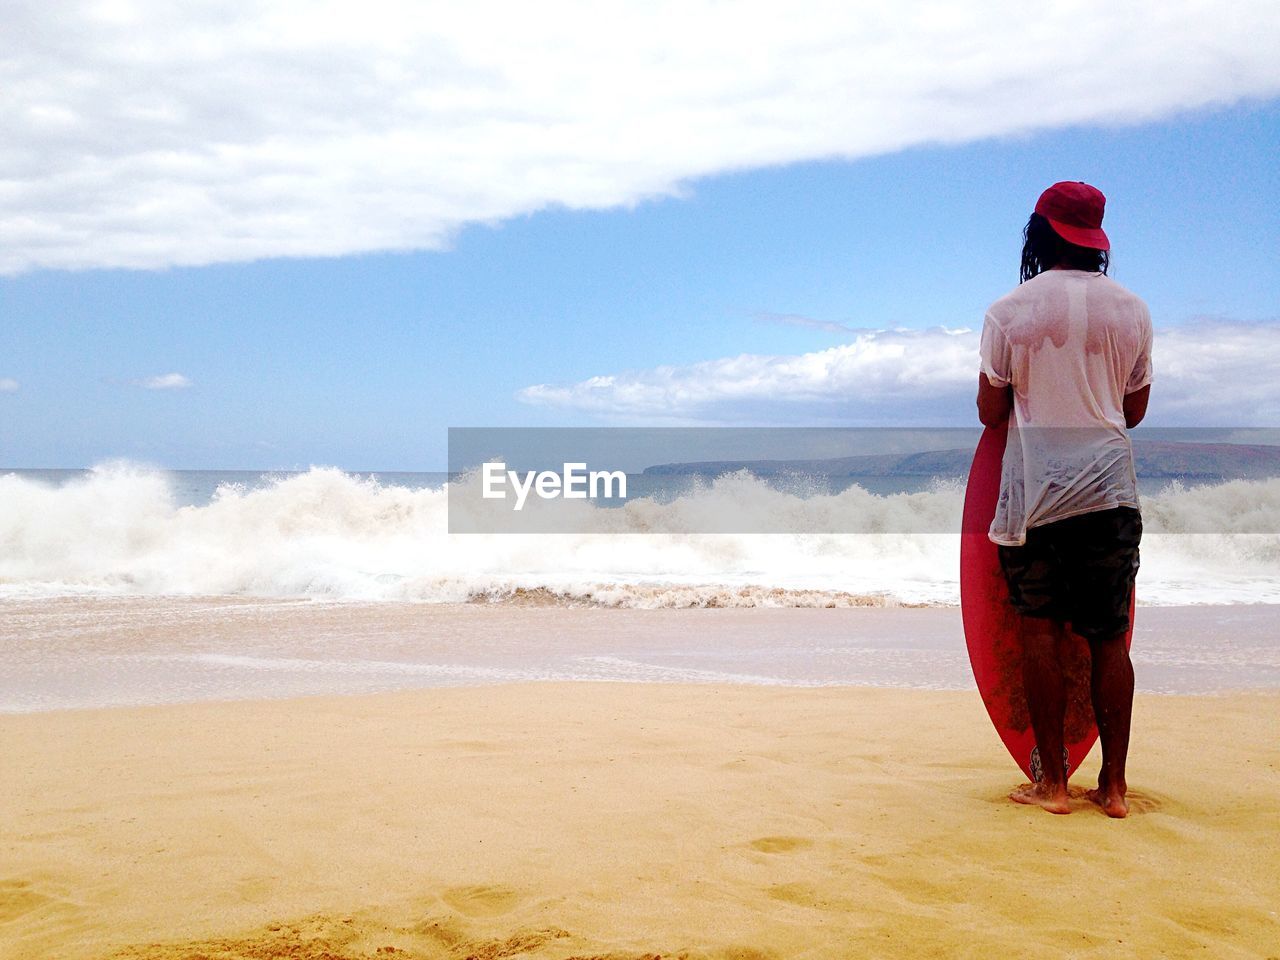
<point>1072,344</point>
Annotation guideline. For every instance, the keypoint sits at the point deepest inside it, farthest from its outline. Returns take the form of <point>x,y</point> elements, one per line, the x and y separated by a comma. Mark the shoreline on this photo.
<point>1246,694</point>
<point>86,653</point>
<point>623,821</point>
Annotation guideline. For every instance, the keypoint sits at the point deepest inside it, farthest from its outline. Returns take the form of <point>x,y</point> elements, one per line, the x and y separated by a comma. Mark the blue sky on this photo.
<point>363,359</point>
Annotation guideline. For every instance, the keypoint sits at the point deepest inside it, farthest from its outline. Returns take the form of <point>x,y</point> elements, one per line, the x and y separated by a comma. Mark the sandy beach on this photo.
<point>560,481</point>
<point>558,820</point>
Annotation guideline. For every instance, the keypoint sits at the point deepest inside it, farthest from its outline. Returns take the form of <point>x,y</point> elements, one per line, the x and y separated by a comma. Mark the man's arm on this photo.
<point>1135,406</point>
<point>994,403</point>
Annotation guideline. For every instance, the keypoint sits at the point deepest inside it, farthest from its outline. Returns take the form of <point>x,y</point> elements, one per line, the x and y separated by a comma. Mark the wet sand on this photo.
<point>557,820</point>
<point>72,652</point>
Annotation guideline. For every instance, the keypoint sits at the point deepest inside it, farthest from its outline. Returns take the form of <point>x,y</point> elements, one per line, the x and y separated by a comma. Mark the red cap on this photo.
<point>1074,210</point>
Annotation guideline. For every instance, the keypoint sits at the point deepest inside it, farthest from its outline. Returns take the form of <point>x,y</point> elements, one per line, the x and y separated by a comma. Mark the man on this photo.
<point>1066,359</point>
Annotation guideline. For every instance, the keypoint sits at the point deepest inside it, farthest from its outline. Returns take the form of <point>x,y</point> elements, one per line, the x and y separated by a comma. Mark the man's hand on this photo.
<point>994,403</point>
<point>1135,406</point>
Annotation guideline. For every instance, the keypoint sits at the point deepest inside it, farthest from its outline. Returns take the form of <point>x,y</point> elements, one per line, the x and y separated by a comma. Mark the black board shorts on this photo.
<point>1079,571</point>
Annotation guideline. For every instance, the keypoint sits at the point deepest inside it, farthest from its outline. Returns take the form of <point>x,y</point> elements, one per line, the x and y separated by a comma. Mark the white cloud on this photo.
<point>164,381</point>
<point>149,133</point>
<point>1209,372</point>
<point>8,385</point>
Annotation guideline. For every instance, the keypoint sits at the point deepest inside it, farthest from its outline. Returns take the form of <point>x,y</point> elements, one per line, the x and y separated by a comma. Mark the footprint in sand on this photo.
<point>1141,802</point>
<point>732,953</point>
<point>806,895</point>
<point>779,844</point>
<point>447,931</point>
<point>17,897</point>
<point>481,901</point>
<point>254,889</point>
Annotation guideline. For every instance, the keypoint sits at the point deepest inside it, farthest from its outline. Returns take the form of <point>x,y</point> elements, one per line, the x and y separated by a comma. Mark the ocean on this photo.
<point>126,585</point>
<point>123,529</point>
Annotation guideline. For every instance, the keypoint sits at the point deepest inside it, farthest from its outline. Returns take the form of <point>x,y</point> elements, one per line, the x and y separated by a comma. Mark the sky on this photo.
<point>318,234</point>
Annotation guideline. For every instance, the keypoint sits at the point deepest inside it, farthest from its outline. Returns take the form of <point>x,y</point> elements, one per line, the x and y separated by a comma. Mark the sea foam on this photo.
<point>327,534</point>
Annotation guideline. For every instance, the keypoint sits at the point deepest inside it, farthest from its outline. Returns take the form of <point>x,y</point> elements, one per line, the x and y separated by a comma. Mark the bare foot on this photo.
<point>1113,804</point>
<point>1055,800</point>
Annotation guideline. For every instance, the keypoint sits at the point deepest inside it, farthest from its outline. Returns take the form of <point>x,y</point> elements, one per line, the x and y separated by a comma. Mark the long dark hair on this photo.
<point>1043,249</point>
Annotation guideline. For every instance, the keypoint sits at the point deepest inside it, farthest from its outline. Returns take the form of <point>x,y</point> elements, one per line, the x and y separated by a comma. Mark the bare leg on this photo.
<point>1111,684</point>
<point>1047,704</point>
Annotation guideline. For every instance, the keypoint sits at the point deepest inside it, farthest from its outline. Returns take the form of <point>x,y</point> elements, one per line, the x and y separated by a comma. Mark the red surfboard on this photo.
<point>992,628</point>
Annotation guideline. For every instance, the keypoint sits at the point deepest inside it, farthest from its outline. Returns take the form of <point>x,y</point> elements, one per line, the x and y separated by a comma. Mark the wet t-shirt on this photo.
<point>1071,344</point>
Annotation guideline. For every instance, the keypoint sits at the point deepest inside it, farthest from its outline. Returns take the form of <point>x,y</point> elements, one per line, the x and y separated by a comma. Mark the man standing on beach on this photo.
<point>1066,360</point>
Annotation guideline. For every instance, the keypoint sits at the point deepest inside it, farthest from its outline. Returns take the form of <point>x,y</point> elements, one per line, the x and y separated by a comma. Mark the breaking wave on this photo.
<point>119,529</point>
